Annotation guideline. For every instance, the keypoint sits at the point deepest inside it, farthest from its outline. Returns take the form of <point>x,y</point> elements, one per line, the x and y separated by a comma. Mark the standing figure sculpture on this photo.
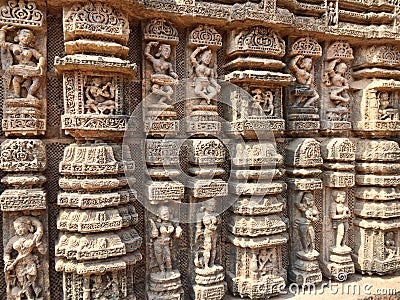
<point>301,67</point>
<point>269,103</point>
<point>164,75</point>
<point>205,81</point>
<point>335,78</point>
<point>161,233</point>
<point>208,228</point>
<point>309,215</point>
<point>332,14</point>
<point>24,66</point>
<point>390,245</point>
<point>257,101</point>
<point>340,214</point>
<point>21,261</point>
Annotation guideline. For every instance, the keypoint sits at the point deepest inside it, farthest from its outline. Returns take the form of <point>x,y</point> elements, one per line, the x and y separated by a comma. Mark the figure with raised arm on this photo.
<point>205,81</point>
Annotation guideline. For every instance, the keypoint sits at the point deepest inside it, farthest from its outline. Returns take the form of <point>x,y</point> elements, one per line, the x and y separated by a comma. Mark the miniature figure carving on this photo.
<point>332,14</point>
<point>24,65</point>
<point>301,67</point>
<point>100,96</point>
<point>269,103</point>
<point>386,111</point>
<point>21,261</point>
<point>164,75</point>
<point>205,81</point>
<point>262,103</point>
<point>309,215</point>
<point>107,290</point>
<point>257,100</point>
<point>265,260</point>
<point>390,245</point>
<point>335,78</point>
<point>340,215</point>
<point>162,233</point>
<point>208,228</point>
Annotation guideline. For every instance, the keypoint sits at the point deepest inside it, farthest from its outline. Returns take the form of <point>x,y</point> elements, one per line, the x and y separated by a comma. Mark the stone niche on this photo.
<point>376,88</point>
<point>301,153</point>
<point>23,30</point>
<point>94,70</point>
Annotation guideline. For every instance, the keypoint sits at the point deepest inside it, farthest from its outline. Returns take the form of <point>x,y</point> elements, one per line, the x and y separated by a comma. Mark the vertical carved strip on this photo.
<point>160,78</point>
<point>335,94</point>
<point>162,158</point>
<point>98,246</point>
<point>377,222</point>
<point>256,228</point>
<point>303,159</point>
<point>339,156</point>
<point>25,219</point>
<point>302,112</point>
<point>205,157</point>
<point>24,205</point>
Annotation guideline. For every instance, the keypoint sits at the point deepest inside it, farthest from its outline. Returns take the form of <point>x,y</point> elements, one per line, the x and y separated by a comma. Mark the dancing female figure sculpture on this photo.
<point>205,81</point>
<point>164,76</point>
<point>24,65</point>
<point>21,261</point>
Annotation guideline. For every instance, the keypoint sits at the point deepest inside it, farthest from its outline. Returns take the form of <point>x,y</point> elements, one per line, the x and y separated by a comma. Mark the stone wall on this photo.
<point>175,149</point>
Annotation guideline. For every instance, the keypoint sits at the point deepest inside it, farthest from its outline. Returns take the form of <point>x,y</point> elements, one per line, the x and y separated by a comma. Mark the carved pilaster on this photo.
<point>23,202</point>
<point>163,195</point>
<point>377,222</point>
<point>256,228</point>
<point>335,92</point>
<point>302,109</point>
<point>23,57</point>
<point>376,91</point>
<point>160,78</point>
<point>202,86</point>
<point>255,66</point>
<point>339,156</point>
<point>24,209</point>
<point>206,272</point>
<point>303,159</point>
<point>98,247</point>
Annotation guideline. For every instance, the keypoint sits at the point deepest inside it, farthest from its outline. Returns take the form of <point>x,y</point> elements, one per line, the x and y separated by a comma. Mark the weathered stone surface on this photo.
<point>263,145</point>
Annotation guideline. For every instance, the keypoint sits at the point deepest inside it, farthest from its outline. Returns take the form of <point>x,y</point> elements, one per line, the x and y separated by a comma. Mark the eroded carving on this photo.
<point>22,258</point>
<point>303,111</point>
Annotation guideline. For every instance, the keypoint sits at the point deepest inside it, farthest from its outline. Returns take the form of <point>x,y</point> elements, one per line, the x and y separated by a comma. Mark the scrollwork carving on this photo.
<point>96,19</point>
<point>21,13</point>
<point>205,35</point>
<point>160,30</point>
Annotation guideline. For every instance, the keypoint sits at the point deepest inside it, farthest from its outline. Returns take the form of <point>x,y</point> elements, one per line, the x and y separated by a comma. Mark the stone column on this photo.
<point>205,155</point>
<point>23,203</point>
<point>302,114</point>
<point>98,247</point>
<point>257,230</point>
<point>338,176</point>
<point>163,193</point>
<point>377,222</point>
<point>303,159</point>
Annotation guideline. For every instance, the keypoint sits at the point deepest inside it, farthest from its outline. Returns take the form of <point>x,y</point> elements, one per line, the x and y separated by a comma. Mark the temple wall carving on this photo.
<point>186,149</point>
